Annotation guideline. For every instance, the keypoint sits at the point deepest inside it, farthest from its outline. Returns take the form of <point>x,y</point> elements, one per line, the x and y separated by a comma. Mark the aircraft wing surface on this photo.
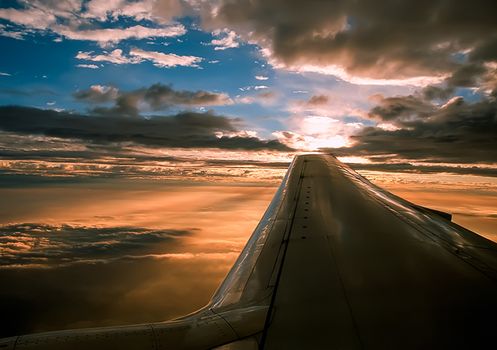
<point>335,263</point>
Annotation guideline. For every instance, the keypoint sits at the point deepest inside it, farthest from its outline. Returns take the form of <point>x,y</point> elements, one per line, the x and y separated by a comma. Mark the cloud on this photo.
<point>97,295</point>
<point>261,77</point>
<point>113,9</point>
<point>160,11</point>
<point>156,97</point>
<point>97,94</point>
<point>311,133</point>
<point>114,35</point>
<point>454,132</point>
<point>3,74</point>
<point>227,39</point>
<point>182,130</point>
<point>318,100</point>
<point>90,66</point>
<point>264,98</point>
<point>248,88</point>
<point>381,40</point>
<point>115,57</point>
<point>433,125</point>
<point>10,32</point>
<point>76,20</point>
<point>164,60</point>
<point>136,56</point>
<point>20,169</point>
<point>47,245</point>
<point>31,17</point>
<point>425,169</point>
<point>75,276</point>
<point>401,108</point>
<point>480,77</point>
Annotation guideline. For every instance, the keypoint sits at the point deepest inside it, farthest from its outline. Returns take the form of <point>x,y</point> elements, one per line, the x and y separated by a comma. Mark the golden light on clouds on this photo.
<point>158,246</point>
<point>162,245</point>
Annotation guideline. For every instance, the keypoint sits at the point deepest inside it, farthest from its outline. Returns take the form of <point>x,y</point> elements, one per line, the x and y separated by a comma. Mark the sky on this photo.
<point>151,134</point>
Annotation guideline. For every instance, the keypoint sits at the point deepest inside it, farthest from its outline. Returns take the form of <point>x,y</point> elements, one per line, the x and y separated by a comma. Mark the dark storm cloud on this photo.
<point>379,39</point>
<point>156,97</point>
<point>480,77</point>
<point>43,245</point>
<point>458,131</point>
<point>186,130</point>
<point>466,76</point>
<point>401,107</point>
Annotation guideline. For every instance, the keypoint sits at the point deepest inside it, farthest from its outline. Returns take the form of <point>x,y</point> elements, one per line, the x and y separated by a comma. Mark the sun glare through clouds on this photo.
<point>142,140</point>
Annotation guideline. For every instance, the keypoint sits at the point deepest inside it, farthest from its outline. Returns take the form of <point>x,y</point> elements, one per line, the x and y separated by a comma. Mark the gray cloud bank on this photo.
<point>380,39</point>
<point>155,98</point>
<point>43,245</point>
<point>182,130</point>
<point>455,132</point>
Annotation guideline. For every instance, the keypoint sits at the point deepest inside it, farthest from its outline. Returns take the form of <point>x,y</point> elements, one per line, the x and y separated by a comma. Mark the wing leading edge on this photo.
<point>335,262</point>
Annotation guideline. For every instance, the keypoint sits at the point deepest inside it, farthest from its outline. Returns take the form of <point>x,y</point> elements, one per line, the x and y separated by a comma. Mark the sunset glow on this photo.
<point>144,139</point>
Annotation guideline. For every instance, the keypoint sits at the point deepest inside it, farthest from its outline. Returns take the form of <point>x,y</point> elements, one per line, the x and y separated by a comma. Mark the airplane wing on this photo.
<point>335,263</point>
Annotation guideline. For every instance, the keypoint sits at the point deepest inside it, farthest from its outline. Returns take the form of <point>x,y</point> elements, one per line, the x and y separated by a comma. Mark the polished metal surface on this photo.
<point>335,262</point>
<point>366,269</point>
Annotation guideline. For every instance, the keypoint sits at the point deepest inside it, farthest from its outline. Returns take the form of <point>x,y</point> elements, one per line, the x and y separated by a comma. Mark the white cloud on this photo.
<point>387,126</point>
<point>9,32</point>
<point>114,35</point>
<point>69,19</point>
<point>64,9</point>
<point>227,39</point>
<point>101,9</point>
<point>104,89</point>
<point>341,73</point>
<point>139,10</point>
<point>240,133</point>
<point>256,87</point>
<point>159,59</point>
<point>3,74</point>
<point>115,56</point>
<point>165,60</point>
<point>264,98</point>
<point>91,66</point>
<point>261,77</point>
<point>32,17</point>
